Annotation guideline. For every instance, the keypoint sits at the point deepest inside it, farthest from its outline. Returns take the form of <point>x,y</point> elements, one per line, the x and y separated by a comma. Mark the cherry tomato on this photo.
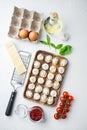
<point>70,98</point>
<point>56,116</point>
<point>64,112</point>
<point>59,109</point>
<point>67,109</point>
<point>68,103</point>
<point>62,104</point>
<point>65,94</point>
<point>63,99</point>
<point>64,115</point>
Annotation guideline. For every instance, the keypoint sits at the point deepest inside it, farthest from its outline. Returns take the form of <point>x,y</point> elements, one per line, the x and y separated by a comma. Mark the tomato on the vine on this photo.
<point>64,115</point>
<point>68,103</point>
<point>70,98</point>
<point>65,94</point>
<point>67,109</point>
<point>56,116</point>
<point>63,99</point>
<point>62,104</point>
<point>59,109</point>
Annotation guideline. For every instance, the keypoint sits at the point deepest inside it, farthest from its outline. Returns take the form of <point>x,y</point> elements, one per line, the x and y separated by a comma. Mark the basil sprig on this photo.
<point>66,50</point>
<point>63,49</point>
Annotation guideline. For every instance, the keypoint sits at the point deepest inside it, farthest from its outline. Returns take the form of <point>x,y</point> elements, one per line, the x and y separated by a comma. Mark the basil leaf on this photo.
<point>53,45</point>
<point>65,50</point>
<point>48,39</point>
<point>62,50</point>
<point>59,46</point>
<point>43,42</point>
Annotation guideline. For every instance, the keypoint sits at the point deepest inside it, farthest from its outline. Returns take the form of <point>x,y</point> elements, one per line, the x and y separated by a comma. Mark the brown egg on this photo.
<point>33,36</point>
<point>23,33</point>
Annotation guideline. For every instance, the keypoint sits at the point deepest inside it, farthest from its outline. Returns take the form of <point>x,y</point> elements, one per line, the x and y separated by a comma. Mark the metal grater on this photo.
<point>19,79</point>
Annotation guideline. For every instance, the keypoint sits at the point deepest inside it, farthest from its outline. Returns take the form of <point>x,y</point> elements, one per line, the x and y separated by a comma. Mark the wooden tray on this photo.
<point>56,78</point>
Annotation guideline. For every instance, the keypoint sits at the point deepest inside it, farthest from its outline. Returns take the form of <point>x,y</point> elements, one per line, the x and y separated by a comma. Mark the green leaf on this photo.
<point>65,50</point>
<point>48,39</point>
<point>53,45</point>
<point>59,46</point>
<point>43,42</point>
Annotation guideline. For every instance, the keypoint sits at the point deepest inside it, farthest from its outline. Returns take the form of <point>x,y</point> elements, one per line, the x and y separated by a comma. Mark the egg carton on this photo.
<point>26,19</point>
<point>45,78</point>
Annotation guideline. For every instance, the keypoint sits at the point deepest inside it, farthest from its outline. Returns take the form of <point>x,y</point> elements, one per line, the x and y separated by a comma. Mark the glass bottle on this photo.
<point>53,24</point>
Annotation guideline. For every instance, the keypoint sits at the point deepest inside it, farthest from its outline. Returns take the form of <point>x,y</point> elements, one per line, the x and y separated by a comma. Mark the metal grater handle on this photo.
<point>10,103</point>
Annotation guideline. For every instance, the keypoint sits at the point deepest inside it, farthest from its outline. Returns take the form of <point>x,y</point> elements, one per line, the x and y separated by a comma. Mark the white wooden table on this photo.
<point>74,15</point>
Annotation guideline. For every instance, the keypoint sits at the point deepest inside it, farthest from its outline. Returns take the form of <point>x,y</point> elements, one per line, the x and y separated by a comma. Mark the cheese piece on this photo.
<point>15,57</point>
